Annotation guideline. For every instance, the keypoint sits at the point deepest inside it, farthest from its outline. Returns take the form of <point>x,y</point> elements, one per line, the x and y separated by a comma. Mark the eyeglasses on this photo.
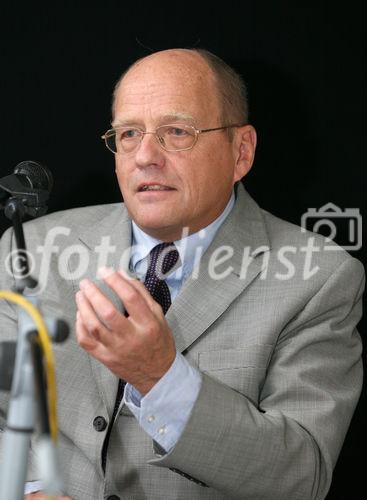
<point>173,137</point>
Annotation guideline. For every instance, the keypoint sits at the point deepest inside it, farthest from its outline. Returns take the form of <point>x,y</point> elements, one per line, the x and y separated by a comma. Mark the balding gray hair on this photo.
<point>231,88</point>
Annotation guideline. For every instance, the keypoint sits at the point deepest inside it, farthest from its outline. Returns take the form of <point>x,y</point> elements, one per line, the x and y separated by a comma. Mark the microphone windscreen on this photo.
<point>39,176</point>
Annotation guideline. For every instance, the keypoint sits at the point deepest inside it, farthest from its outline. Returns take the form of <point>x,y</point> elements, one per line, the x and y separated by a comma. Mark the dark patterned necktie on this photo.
<point>162,259</point>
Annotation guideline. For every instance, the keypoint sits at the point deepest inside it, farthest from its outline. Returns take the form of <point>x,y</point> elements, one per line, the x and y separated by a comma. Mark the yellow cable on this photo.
<point>47,350</point>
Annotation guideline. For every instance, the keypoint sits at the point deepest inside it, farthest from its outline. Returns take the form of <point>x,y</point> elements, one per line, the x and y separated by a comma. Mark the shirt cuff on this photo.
<point>165,410</point>
<point>32,487</point>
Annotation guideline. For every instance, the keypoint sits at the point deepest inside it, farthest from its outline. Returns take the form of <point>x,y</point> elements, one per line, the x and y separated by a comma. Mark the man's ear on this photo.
<point>245,145</point>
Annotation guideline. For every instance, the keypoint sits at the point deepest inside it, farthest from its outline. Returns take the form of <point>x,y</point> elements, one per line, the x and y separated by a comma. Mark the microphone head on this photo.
<point>38,176</point>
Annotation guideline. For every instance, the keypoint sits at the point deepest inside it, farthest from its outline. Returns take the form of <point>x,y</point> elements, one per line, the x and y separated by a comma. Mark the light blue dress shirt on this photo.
<point>164,411</point>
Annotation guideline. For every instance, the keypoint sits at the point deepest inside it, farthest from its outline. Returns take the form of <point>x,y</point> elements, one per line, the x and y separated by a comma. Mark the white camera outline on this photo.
<point>326,214</point>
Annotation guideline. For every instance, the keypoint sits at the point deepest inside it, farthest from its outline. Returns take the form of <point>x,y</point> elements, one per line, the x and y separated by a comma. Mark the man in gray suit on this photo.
<point>246,386</point>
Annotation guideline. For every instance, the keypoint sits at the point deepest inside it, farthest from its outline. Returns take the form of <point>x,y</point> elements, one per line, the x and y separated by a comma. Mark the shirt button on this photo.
<point>151,418</point>
<point>99,423</point>
<point>162,430</point>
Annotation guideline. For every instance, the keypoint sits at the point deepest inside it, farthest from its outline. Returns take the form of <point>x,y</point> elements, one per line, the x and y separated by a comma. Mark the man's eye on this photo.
<point>131,133</point>
<point>177,131</point>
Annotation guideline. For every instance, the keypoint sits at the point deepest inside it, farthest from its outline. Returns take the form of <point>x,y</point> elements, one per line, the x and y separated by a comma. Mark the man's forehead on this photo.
<point>124,118</point>
<point>174,94</point>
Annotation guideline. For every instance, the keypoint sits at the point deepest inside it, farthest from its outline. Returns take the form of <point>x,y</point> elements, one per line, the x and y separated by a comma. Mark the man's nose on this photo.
<point>149,150</point>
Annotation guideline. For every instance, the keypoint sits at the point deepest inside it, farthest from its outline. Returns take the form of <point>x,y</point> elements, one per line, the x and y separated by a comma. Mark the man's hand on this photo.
<point>139,348</point>
<point>39,495</point>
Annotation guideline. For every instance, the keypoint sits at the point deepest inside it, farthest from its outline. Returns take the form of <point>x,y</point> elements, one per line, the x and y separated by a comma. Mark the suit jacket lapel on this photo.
<point>203,299</point>
<point>116,228</point>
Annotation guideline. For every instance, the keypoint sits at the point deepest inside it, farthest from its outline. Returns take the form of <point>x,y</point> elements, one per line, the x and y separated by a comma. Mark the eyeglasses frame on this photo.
<point>197,133</point>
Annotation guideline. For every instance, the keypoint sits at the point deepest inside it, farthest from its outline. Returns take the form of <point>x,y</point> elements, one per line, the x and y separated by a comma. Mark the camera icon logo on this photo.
<point>345,224</point>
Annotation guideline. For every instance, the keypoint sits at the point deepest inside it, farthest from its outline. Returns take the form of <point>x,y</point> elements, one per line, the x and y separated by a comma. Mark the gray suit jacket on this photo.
<point>281,362</point>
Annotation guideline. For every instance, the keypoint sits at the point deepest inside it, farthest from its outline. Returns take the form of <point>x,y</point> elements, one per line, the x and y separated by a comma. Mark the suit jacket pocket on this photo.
<point>242,369</point>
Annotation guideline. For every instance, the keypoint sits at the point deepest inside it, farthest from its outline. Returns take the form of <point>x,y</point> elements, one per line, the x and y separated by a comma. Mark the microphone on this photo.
<point>30,183</point>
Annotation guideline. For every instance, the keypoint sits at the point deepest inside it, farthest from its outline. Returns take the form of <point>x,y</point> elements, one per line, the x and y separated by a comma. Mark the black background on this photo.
<point>304,67</point>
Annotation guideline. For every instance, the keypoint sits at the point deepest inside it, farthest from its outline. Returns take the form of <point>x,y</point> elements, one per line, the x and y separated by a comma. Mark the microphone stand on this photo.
<point>28,387</point>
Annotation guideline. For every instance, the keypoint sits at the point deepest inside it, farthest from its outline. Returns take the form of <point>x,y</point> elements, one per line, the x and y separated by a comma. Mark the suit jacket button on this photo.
<point>113,497</point>
<point>99,423</point>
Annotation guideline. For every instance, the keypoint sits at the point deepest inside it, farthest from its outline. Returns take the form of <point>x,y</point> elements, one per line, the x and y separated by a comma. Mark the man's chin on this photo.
<point>162,228</point>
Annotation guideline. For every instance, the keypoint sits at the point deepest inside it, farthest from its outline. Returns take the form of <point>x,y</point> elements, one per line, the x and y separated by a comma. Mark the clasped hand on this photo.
<point>139,348</point>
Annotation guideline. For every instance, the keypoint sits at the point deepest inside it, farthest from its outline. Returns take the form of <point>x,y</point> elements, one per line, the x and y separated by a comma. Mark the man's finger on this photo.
<point>90,319</point>
<point>133,299</point>
<point>85,339</point>
<point>103,308</point>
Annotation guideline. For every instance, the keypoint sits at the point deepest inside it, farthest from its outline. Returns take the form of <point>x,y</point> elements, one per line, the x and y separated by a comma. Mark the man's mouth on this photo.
<point>154,187</point>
